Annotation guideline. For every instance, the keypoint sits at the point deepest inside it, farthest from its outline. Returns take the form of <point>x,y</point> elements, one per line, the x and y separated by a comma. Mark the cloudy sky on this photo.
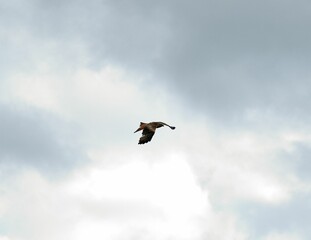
<point>76,79</point>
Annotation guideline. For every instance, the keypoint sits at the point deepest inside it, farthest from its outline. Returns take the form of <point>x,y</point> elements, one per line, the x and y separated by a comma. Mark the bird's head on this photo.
<point>138,129</point>
<point>141,127</point>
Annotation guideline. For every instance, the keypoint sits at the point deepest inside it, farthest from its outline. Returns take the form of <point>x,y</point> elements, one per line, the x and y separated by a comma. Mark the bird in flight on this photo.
<point>149,130</point>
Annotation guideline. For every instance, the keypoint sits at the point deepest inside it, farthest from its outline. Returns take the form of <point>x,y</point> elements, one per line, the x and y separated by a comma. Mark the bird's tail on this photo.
<point>171,127</point>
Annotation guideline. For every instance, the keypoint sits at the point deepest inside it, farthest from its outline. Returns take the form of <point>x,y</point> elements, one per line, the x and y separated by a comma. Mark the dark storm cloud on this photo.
<point>34,139</point>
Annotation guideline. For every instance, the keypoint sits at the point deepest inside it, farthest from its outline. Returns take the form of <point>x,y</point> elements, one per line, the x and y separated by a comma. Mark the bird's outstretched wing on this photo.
<point>147,135</point>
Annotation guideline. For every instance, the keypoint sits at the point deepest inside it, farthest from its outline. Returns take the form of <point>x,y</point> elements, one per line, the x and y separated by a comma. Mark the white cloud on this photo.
<point>239,165</point>
<point>282,236</point>
<point>99,202</point>
<point>93,100</point>
<point>168,188</point>
<point>35,90</point>
<point>4,238</point>
<point>225,225</point>
<point>79,91</point>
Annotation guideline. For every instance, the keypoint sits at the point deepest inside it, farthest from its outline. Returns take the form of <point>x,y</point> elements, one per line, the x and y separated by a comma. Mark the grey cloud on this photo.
<point>293,217</point>
<point>211,45</point>
<point>229,57</point>
<point>222,57</point>
<point>297,161</point>
<point>31,138</point>
<point>129,33</point>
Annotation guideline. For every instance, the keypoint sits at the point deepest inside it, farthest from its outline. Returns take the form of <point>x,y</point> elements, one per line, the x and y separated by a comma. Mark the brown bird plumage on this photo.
<point>149,130</point>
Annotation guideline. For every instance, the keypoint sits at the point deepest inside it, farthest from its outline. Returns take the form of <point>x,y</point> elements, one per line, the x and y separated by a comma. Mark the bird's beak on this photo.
<point>137,130</point>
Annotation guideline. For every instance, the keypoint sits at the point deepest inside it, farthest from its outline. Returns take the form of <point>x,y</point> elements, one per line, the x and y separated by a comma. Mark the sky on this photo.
<point>76,79</point>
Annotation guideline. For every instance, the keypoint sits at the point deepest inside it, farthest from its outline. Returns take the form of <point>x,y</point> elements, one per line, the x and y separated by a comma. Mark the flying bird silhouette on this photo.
<point>149,130</point>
